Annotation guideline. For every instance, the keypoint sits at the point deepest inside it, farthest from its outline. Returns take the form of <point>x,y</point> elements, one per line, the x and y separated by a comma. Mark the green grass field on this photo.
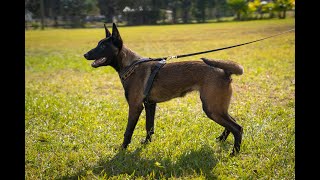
<point>75,115</point>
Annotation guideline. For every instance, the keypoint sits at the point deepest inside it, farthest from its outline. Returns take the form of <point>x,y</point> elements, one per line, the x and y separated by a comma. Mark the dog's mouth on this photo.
<point>98,62</point>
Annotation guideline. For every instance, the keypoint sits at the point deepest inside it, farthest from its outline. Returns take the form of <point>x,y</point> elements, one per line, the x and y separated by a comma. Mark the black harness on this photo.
<point>129,70</point>
<point>154,71</point>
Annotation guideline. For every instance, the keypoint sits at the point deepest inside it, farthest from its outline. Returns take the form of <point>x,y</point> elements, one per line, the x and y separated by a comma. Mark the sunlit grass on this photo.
<point>75,115</point>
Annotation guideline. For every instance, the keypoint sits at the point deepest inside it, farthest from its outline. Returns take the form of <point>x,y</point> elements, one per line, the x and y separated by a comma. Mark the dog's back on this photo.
<point>178,78</point>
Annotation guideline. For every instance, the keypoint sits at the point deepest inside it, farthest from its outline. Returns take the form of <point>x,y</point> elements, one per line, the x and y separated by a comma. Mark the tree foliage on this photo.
<point>282,6</point>
<point>135,12</point>
<point>199,9</point>
<point>239,7</point>
<point>261,7</point>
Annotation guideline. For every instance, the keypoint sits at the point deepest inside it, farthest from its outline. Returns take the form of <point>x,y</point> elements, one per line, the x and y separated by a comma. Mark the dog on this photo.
<point>212,78</point>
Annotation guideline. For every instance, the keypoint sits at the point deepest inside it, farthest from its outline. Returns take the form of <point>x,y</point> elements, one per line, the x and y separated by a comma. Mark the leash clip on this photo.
<point>171,57</point>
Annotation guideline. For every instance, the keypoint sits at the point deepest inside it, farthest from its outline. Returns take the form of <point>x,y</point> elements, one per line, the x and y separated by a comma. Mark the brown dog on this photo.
<point>210,77</point>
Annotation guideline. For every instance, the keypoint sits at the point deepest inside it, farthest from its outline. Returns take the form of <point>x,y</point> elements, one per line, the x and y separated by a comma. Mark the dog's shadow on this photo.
<point>196,162</point>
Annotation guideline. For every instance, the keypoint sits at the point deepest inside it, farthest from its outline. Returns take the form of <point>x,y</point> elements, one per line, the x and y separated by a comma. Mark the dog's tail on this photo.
<point>229,67</point>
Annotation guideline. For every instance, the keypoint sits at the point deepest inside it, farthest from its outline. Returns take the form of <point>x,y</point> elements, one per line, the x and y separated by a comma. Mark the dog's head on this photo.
<point>107,49</point>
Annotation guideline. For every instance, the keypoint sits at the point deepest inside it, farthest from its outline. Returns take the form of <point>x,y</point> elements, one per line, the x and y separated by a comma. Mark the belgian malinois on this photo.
<point>212,78</point>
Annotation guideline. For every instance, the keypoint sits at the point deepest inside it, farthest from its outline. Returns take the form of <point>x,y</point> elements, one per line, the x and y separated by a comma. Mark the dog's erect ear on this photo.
<point>116,36</point>
<point>115,32</point>
<point>108,33</point>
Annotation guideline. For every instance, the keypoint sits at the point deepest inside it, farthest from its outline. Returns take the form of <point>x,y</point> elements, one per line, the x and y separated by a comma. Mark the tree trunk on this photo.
<point>185,16</point>
<point>55,21</point>
<point>203,15</point>
<point>186,5</point>
<point>284,13</point>
<point>174,15</point>
<point>42,14</point>
<point>271,14</point>
<point>238,15</point>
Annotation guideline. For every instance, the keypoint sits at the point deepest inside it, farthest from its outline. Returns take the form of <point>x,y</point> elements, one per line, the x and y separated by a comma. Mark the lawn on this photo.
<point>76,115</point>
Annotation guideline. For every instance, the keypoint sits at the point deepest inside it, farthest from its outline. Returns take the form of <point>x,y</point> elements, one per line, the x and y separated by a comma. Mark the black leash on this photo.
<point>219,49</point>
<point>162,62</point>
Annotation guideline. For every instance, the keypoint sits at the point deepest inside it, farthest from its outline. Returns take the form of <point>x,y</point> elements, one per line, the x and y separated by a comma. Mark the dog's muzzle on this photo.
<point>98,62</point>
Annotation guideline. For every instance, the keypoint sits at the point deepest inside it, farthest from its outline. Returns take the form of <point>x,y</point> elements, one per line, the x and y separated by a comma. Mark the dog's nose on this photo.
<point>86,55</point>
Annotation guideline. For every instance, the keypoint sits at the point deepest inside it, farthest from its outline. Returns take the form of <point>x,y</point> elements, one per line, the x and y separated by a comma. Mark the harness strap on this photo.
<point>129,70</point>
<point>153,74</point>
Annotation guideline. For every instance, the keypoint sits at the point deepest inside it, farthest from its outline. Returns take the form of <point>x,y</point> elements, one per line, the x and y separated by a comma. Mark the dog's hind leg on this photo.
<point>223,135</point>
<point>226,132</point>
<point>230,126</point>
<point>237,133</point>
<point>215,105</point>
<point>150,113</point>
<point>134,114</point>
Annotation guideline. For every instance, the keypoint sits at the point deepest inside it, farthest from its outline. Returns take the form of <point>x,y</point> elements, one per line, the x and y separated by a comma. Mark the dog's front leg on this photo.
<point>150,113</point>
<point>134,113</point>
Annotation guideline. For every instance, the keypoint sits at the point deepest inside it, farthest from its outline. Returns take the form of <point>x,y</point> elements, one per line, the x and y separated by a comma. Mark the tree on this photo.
<point>282,6</point>
<point>174,5</point>
<point>76,10</point>
<point>142,11</point>
<point>33,6</point>
<point>239,7</point>
<point>108,8</point>
<point>260,7</point>
<point>43,9</point>
<point>199,9</point>
<point>186,7</point>
<point>73,11</point>
<point>270,8</point>
<point>221,8</point>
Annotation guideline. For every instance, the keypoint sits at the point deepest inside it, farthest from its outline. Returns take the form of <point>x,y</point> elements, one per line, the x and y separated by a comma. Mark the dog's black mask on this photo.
<point>107,49</point>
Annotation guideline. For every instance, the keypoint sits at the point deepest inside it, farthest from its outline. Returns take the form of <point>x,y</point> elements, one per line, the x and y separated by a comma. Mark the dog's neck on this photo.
<point>126,57</point>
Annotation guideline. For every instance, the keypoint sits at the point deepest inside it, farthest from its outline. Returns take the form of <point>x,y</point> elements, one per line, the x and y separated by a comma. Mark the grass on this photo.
<point>75,115</point>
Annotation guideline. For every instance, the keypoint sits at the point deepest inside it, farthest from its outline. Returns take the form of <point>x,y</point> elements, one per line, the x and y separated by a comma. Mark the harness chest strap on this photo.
<point>129,70</point>
<point>153,74</point>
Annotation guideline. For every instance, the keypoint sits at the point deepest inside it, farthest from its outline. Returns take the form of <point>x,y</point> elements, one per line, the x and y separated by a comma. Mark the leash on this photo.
<point>219,49</point>
<point>162,61</point>
<point>124,75</point>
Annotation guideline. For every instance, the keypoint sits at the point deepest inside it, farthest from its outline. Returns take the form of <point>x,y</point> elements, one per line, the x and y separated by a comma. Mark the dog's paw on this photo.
<point>234,152</point>
<point>221,139</point>
<point>121,148</point>
<point>145,141</point>
<point>124,146</point>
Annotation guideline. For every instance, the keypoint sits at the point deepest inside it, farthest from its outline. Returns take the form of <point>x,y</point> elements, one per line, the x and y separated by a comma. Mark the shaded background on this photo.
<point>40,14</point>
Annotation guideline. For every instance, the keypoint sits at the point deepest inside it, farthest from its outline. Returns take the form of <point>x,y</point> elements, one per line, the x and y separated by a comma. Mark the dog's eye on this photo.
<point>102,46</point>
